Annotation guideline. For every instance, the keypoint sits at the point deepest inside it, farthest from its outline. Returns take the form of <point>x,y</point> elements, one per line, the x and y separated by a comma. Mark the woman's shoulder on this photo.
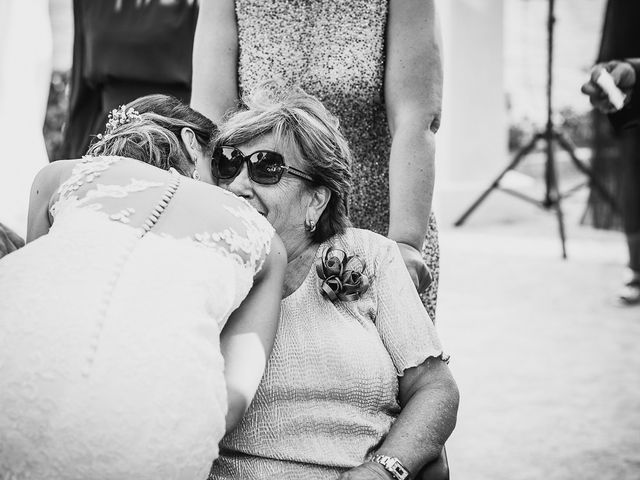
<point>52,175</point>
<point>60,169</point>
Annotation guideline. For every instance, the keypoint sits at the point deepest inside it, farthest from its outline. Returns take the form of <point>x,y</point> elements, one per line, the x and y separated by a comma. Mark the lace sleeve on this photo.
<point>249,239</point>
<point>84,172</point>
<point>402,321</point>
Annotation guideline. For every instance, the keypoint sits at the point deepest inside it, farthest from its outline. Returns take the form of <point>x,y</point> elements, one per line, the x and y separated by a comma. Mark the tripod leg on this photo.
<point>496,183</point>
<point>553,198</point>
<point>560,215</point>
<point>568,145</point>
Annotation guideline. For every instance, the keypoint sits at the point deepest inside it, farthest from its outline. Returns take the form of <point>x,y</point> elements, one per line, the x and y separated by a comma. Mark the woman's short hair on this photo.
<point>154,135</point>
<point>302,126</point>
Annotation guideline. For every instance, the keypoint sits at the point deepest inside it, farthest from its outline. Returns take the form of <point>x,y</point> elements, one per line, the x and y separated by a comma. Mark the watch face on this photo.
<point>393,466</point>
<point>398,470</point>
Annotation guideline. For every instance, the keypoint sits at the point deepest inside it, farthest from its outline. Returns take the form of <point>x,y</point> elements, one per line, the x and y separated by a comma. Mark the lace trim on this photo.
<point>87,170</point>
<point>257,243</point>
<point>249,249</point>
<point>123,215</point>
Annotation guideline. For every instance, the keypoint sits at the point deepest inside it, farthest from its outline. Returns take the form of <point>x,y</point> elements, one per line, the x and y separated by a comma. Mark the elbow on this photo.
<point>451,402</point>
<point>426,123</point>
<point>433,123</point>
<point>453,399</point>
<point>446,394</point>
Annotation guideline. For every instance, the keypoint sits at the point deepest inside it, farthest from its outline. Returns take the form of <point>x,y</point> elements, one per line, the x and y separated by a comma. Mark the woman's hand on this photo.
<point>366,471</point>
<point>624,77</point>
<point>9,240</point>
<point>418,269</point>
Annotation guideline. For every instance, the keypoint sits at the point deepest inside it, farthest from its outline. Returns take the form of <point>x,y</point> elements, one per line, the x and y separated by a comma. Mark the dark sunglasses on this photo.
<point>264,167</point>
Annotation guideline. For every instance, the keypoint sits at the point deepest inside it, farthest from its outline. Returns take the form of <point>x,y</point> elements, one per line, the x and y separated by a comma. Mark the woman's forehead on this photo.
<point>270,141</point>
<point>266,141</point>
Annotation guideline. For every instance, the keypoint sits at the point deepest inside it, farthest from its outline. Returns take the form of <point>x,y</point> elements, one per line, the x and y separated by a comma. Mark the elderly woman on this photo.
<point>356,386</point>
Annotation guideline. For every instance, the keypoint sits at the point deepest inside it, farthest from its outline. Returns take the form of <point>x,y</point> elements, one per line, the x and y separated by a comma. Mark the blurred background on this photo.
<point>495,80</point>
<point>547,362</point>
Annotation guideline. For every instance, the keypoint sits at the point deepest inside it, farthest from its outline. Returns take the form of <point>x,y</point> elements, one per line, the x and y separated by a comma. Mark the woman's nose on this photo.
<point>241,184</point>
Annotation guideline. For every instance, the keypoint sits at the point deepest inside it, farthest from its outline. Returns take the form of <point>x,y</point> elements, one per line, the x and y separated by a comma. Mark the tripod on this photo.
<point>551,134</point>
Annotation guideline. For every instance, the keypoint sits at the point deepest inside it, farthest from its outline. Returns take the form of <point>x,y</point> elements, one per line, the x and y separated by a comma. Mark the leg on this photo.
<point>552,198</point>
<point>630,156</point>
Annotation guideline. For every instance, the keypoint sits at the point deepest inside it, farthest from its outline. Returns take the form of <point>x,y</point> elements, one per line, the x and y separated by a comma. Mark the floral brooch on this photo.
<point>342,275</point>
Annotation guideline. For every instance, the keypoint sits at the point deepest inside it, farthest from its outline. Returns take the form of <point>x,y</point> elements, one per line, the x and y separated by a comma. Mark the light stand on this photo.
<point>553,197</point>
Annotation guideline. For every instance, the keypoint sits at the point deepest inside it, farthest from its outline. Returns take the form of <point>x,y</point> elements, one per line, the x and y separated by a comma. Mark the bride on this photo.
<point>136,322</point>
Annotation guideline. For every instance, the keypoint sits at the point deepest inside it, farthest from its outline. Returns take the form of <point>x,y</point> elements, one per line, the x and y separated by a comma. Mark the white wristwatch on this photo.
<point>392,465</point>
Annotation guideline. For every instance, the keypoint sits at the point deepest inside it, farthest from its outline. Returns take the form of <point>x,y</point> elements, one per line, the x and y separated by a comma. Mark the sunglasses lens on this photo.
<point>226,162</point>
<point>267,167</point>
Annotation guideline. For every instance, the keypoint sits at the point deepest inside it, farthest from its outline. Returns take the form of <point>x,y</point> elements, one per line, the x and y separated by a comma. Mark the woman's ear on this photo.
<point>190,141</point>
<point>318,201</point>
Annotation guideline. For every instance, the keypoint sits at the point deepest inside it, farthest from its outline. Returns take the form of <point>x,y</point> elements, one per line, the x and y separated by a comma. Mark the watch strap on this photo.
<point>393,466</point>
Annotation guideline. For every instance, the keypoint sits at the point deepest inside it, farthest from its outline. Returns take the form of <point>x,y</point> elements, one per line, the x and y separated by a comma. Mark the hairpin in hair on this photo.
<point>118,117</point>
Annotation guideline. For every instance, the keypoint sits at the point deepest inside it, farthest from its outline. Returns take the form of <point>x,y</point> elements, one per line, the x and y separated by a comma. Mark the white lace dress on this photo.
<point>110,366</point>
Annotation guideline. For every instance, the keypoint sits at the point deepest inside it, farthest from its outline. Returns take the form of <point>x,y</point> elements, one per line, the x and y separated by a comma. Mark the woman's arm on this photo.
<point>247,338</point>
<point>413,96</point>
<point>427,392</point>
<point>429,399</point>
<point>43,188</point>
<point>214,87</point>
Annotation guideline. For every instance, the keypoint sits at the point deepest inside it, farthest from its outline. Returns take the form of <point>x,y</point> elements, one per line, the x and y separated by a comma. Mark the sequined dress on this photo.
<point>110,366</point>
<point>334,49</point>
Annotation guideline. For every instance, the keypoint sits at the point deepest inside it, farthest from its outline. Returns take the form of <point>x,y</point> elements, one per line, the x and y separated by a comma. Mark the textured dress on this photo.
<point>110,366</point>
<point>329,393</point>
<point>335,50</point>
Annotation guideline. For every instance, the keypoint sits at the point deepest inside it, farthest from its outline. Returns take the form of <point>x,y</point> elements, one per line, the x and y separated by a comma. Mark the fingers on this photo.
<point>15,239</point>
<point>9,241</point>
<point>596,70</point>
<point>416,266</point>
<point>624,76</point>
<point>426,281</point>
<point>598,98</point>
<point>590,88</point>
<point>420,275</point>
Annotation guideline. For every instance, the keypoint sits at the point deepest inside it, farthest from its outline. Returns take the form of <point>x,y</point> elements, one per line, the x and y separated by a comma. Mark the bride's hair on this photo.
<point>152,134</point>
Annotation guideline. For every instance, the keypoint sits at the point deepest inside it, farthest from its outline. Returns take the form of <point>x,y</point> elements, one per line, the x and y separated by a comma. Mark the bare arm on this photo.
<point>413,93</point>
<point>428,394</point>
<point>429,399</point>
<point>247,339</point>
<point>44,186</point>
<point>215,59</point>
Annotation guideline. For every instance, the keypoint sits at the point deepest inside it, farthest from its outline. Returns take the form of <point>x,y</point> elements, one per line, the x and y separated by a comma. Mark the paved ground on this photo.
<point>548,365</point>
